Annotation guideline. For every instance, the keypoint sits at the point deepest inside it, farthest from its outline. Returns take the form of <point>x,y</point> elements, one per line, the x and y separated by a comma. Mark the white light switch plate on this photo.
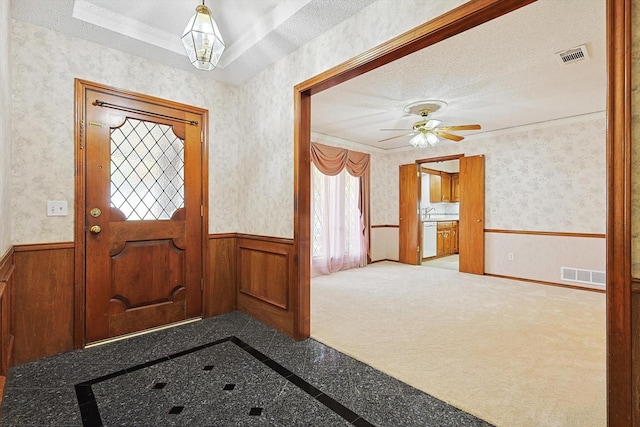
<point>56,208</point>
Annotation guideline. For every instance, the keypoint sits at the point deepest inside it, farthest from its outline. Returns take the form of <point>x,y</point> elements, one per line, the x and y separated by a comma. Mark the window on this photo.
<point>337,227</point>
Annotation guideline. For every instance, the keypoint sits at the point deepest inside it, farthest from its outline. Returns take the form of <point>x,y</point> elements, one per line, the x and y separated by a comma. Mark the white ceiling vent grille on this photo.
<point>594,278</point>
<point>574,55</point>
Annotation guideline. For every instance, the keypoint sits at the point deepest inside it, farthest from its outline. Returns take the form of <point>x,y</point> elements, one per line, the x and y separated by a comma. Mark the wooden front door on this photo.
<point>143,213</point>
<point>410,226</point>
<point>471,227</point>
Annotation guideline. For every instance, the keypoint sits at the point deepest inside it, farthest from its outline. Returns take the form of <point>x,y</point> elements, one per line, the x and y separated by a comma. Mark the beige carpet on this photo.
<point>513,353</point>
<point>451,262</point>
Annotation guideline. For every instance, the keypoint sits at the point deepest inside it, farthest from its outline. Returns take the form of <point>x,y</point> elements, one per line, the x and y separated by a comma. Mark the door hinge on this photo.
<point>418,174</point>
<point>418,211</point>
<point>201,137</point>
<point>418,249</point>
<point>201,210</point>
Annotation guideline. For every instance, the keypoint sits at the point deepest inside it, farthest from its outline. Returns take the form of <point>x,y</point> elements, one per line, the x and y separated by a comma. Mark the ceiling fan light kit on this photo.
<point>426,132</point>
<point>202,39</point>
<point>423,140</point>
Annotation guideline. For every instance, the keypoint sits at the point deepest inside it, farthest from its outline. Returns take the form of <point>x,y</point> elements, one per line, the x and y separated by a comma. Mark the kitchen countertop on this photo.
<point>441,219</point>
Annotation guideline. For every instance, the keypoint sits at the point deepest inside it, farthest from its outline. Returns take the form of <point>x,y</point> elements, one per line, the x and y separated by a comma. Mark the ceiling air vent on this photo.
<point>573,55</point>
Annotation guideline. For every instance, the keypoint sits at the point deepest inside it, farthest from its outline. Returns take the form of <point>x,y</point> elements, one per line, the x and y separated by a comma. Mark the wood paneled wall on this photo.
<point>43,300</point>
<point>253,274</point>
<point>265,281</point>
<point>219,294</point>
<point>243,272</point>
<point>635,358</point>
<point>6,332</point>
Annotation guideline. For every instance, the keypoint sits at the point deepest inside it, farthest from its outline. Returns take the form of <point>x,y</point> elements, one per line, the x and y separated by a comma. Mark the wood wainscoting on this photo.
<point>265,280</point>
<point>43,300</point>
<point>6,331</point>
<point>252,274</point>
<point>635,346</point>
<point>220,294</point>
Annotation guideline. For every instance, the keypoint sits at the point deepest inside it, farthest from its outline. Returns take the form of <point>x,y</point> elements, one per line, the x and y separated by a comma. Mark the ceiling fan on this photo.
<point>427,132</point>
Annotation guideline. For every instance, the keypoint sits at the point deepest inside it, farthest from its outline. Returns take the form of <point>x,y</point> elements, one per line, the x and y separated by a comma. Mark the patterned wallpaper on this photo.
<point>635,141</point>
<point>266,145</point>
<point>5,127</point>
<point>538,179</point>
<point>43,146</point>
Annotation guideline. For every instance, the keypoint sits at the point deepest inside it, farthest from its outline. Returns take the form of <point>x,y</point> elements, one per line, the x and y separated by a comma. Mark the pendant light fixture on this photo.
<point>202,40</point>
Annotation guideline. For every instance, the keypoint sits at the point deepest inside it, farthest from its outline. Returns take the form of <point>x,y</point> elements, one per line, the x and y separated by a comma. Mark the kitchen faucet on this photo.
<point>428,210</point>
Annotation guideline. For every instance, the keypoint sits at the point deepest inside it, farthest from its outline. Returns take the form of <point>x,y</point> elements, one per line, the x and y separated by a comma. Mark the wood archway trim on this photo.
<point>621,396</point>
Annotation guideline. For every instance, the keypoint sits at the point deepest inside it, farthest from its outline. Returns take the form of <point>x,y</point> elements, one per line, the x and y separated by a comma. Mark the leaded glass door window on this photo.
<point>147,170</point>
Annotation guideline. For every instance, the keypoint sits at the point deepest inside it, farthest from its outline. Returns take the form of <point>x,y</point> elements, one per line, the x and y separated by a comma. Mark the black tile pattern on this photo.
<point>176,410</point>
<point>90,403</point>
<point>294,382</point>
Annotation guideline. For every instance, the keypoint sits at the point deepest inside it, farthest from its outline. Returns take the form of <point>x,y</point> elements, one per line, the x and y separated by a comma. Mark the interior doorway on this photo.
<point>447,224</point>
<point>439,201</point>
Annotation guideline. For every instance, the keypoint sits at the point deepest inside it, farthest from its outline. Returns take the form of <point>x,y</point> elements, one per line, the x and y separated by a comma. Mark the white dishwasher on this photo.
<point>429,237</point>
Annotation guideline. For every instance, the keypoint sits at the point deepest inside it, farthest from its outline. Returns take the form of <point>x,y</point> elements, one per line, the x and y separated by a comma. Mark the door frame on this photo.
<point>620,380</point>
<point>81,86</point>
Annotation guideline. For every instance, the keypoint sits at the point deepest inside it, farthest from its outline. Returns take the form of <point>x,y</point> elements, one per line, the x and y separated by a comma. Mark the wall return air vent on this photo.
<point>592,278</point>
<point>575,54</point>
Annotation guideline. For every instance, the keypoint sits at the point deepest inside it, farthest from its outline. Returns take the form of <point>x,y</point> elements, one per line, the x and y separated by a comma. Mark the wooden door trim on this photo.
<point>620,372</point>
<point>81,86</point>
<point>439,159</point>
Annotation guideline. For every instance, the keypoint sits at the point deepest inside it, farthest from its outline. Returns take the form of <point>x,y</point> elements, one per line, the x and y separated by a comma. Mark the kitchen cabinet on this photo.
<point>454,237</point>
<point>441,187</point>
<point>447,238</point>
<point>435,188</point>
<point>455,187</point>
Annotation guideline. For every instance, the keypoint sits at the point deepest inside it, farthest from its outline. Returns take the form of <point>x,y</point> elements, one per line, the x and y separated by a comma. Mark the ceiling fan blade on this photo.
<point>461,127</point>
<point>398,130</point>
<point>394,137</point>
<point>450,136</point>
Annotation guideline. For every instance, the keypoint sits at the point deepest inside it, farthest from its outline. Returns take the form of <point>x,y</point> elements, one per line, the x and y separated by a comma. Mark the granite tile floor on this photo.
<point>228,370</point>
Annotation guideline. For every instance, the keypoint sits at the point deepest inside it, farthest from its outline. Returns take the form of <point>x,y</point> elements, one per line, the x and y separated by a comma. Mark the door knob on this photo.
<point>96,229</point>
<point>95,212</point>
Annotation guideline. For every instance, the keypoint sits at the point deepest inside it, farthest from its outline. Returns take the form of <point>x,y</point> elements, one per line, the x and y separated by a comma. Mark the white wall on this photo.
<point>43,145</point>
<point>266,145</point>
<point>5,127</point>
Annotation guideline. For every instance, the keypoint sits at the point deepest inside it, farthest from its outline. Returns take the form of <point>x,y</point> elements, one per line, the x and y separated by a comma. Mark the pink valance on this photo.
<point>331,160</point>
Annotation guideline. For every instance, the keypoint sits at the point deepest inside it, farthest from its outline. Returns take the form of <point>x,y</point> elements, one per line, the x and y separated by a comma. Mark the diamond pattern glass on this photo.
<point>147,170</point>
<point>318,197</point>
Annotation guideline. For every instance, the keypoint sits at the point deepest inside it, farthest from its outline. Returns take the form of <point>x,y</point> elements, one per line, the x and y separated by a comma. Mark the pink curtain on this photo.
<point>331,161</point>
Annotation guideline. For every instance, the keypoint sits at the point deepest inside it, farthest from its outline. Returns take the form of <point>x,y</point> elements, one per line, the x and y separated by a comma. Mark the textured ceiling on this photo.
<point>502,74</point>
<point>256,32</point>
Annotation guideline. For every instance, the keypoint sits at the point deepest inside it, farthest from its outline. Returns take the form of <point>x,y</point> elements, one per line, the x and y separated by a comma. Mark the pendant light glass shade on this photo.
<point>202,40</point>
